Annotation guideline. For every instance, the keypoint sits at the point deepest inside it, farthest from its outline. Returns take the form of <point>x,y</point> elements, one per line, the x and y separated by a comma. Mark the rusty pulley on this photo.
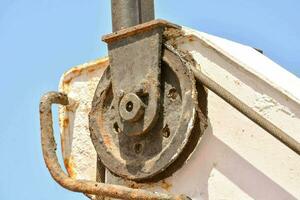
<point>146,155</point>
<point>145,106</point>
<point>145,119</point>
<point>144,111</point>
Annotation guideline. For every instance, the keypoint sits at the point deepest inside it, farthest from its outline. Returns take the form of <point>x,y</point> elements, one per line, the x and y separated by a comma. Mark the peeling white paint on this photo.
<point>264,103</point>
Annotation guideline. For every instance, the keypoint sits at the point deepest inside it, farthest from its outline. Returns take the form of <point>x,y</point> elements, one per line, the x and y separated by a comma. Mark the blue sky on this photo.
<point>40,39</point>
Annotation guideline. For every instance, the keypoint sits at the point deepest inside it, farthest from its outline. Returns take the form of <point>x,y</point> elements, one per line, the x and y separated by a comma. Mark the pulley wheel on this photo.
<point>146,156</point>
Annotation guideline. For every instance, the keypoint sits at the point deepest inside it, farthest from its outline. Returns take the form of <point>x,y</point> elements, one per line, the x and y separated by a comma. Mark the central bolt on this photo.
<point>131,108</point>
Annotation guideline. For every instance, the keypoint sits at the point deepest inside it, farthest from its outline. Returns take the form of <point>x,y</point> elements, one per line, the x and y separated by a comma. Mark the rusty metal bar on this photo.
<point>128,13</point>
<point>84,186</point>
<point>248,111</point>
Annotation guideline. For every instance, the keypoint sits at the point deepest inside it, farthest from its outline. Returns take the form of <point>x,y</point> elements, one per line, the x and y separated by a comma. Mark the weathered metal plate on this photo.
<point>136,70</point>
<point>143,157</point>
<point>135,57</point>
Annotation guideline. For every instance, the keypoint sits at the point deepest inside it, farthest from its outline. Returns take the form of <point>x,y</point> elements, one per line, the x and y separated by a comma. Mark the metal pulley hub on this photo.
<point>145,106</point>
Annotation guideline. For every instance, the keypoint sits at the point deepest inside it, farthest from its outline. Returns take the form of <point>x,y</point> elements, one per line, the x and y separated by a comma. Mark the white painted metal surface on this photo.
<point>235,159</point>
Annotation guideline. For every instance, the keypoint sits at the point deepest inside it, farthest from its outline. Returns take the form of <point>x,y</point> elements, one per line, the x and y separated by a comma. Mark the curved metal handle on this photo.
<point>84,186</point>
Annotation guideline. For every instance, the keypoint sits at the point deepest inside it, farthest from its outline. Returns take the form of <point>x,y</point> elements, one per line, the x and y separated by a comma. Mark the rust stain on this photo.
<point>138,29</point>
<point>106,140</point>
<point>91,69</point>
<point>165,185</point>
<point>67,81</point>
<point>134,185</point>
<point>62,143</point>
<point>74,72</point>
<point>65,123</point>
<point>171,36</point>
<point>237,82</point>
<point>70,167</point>
<point>66,85</point>
<point>77,71</point>
<point>191,38</point>
<point>162,184</point>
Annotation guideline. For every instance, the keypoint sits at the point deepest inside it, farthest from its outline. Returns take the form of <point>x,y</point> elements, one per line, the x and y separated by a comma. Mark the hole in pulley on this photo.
<point>129,106</point>
<point>138,148</point>
<point>117,128</point>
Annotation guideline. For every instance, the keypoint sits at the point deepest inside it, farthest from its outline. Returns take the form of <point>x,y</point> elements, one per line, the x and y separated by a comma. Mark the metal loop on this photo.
<point>83,186</point>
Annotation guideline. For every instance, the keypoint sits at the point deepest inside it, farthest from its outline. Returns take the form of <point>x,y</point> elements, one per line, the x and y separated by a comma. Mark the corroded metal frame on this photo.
<point>166,142</point>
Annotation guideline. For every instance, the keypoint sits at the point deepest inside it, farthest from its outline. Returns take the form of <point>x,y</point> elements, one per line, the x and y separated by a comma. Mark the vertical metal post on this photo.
<point>146,10</point>
<point>127,13</point>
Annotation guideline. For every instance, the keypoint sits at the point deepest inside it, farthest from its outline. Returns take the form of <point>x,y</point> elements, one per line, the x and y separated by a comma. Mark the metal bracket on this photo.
<point>135,72</point>
<point>135,55</point>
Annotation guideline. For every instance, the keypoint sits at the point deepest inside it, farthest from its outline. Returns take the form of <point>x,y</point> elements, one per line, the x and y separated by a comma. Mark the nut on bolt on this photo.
<point>131,108</point>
